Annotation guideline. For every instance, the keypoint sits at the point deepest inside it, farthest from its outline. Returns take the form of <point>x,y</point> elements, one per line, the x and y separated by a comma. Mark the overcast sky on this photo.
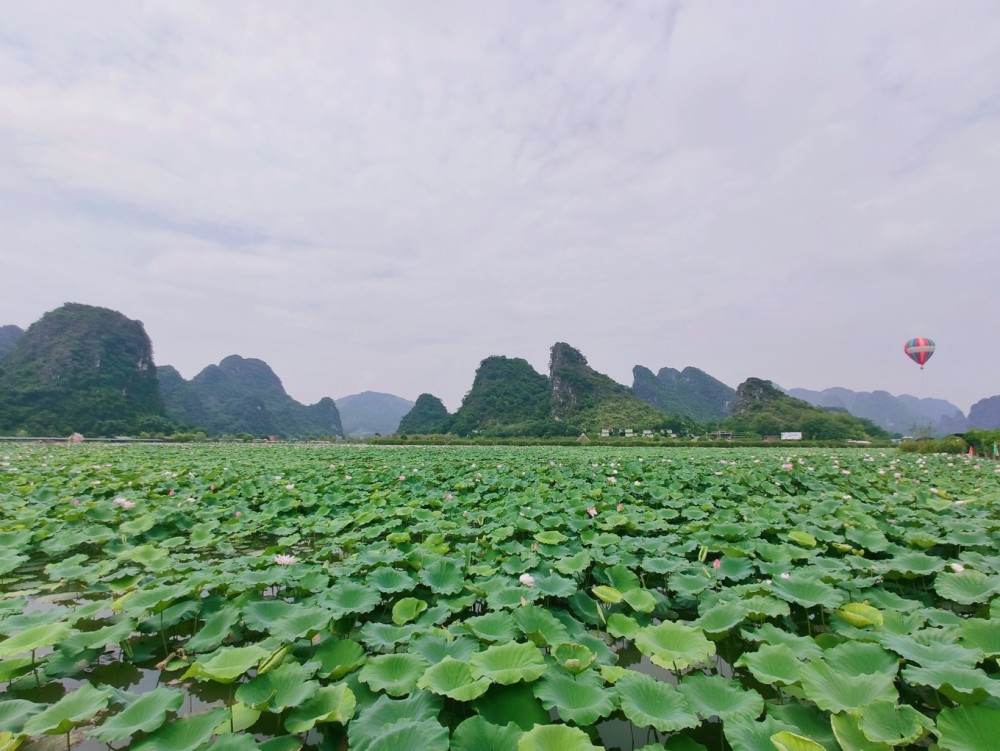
<point>377,196</point>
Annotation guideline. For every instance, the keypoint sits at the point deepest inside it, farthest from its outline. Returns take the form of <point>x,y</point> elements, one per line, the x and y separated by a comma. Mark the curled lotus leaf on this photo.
<point>407,609</point>
<point>859,614</point>
<point>539,625</point>
<point>185,734</point>
<point>967,587</point>
<point>959,683</point>
<point>714,695</point>
<point>801,538</point>
<point>508,663</point>
<point>808,592</point>
<point>71,710</point>
<point>893,724</point>
<point>476,734</point>
<point>772,663</point>
<point>647,701</point>
<point>338,657</point>
<point>396,674</point>
<point>574,658</point>
<point>498,626</point>
<point>44,635</point>
<point>789,741</point>
<point>606,594</point>
<point>227,664</point>
<point>721,618</point>
<point>555,738</point>
<point>334,703</point>
<point>434,648</point>
<point>453,678</point>
<point>384,712</point>
<point>275,691</point>
<point>640,600</point>
<point>861,658</point>
<point>847,730</point>
<point>674,646</point>
<point>145,714</point>
<point>580,699</point>
<point>15,712</point>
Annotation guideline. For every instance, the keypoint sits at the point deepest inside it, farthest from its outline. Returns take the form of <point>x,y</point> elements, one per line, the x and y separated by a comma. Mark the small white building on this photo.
<point>791,435</point>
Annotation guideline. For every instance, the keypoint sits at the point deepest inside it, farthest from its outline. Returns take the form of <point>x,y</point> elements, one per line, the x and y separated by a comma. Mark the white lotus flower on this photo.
<point>527,580</point>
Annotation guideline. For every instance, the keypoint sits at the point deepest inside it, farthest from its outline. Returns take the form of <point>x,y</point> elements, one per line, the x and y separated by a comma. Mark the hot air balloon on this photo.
<point>919,350</point>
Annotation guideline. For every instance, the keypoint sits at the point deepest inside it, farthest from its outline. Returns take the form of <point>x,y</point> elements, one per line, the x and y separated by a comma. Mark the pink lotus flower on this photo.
<point>527,580</point>
<point>285,560</point>
<point>75,501</point>
<point>238,514</point>
<point>716,563</point>
<point>124,503</point>
<point>592,511</point>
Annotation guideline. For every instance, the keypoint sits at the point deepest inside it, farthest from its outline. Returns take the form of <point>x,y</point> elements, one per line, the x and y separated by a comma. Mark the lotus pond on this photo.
<point>173,598</point>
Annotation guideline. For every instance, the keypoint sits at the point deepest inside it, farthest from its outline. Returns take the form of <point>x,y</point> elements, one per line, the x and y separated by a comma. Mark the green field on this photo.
<point>381,598</point>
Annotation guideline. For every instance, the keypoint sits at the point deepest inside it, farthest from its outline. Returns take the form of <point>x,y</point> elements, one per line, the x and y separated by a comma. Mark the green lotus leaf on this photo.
<point>285,620</point>
<point>555,738</point>
<point>967,587</point>
<point>849,736</point>
<point>384,712</point>
<point>574,564</point>
<point>640,600</point>
<point>804,647</point>
<point>275,691</point>
<point>152,600</point>
<point>334,703</point>
<point>233,742</point>
<point>384,636</point>
<point>837,691</point>
<point>721,618</point>
<point>959,683</point>
<point>453,678</point>
<point>860,614</point>
<point>579,699</point>
<point>395,674</point>
<point>71,710</point>
<point>647,701</point>
<point>275,659</point>
<point>914,563</point>
<point>435,648</point>
<point>407,609</point>
<point>789,741</point>
<point>539,625</point>
<point>931,647</point>
<point>145,714</point>
<point>860,658</point>
<point>714,695</point>
<point>185,734</point>
<point>622,626</point>
<point>575,658</point>
<point>892,724</point>
<point>498,626</point>
<point>239,718</point>
<point>760,607</point>
<point>550,537</point>
<point>508,663</point>
<point>227,664</point>
<point>338,657</point>
<point>390,580</point>
<point>512,703</point>
<point>674,646</point>
<point>968,728</point>
<point>772,663</point>
<point>34,638</point>
<point>9,741</point>
<point>555,585</point>
<point>981,635</point>
<point>427,735</point>
<point>607,594</point>
<point>112,634</point>
<point>281,743</point>
<point>443,576</point>
<point>746,734</point>
<point>349,598</point>
<point>476,734</point>
<point>801,538</point>
<point>15,712</point>
<point>688,584</point>
<point>808,592</point>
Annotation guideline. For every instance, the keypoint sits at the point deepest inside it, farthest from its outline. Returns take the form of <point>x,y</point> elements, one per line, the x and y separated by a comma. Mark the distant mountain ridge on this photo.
<point>243,395</point>
<point>903,414</point>
<point>9,336</point>
<point>690,392</point>
<point>371,412</point>
<point>80,368</point>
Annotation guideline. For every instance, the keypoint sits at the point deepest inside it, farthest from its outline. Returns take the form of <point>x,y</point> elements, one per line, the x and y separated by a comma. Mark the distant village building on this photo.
<point>791,435</point>
<point>647,434</point>
<point>605,432</point>
<point>629,433</point>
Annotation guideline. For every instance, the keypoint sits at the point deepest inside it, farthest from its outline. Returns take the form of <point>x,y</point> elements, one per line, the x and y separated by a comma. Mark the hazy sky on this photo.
<point>376,196</point>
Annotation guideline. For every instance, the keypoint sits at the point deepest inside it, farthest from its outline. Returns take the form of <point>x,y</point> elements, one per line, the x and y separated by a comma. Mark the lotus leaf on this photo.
<point>860,658</point>
<point>607,594</point>
<point>746,734</point>
<point>721,618</point>
<point>185,734</point>
<point>453,678</point>
<point>622,626</point>
<point>227,664</point>
<point>892,724</point>
<point>968,728</point>
<point>407,609</point>
<point>497,626</point>
<point>555,585</point>
<point>334,703</point>
<point>15,712</point>
<point>647,701</point>
<point>772,663</point>
<point>514,703</point>
<point>788,741</point>
<point>507,663</point>
<point>285,686</point>
<point>443,576</point>
<point>396,674</point>
<point>476,734</point>
<point>580,699</point>
<point>71,710</point>
<point>436,648</point>
<point>539,625</point>
<point>714,695</point>
<point>390,580</point>
<point>808,592</point>
<point>145,714</point>
<point>384,712</point>
<point>967,587</point>
<point>674,646</point>
<point>639,600</point>
<point>350,598</point>
<point>241,717</point>
<point>982,635</point>
<point>555,738</point>
<point>575,658</point>
<point>338,657</point>
<point>837,691</point>
<point>860,614</point>
<point>959,683</point>
<point>34,638</point>
<point>384,637</point>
